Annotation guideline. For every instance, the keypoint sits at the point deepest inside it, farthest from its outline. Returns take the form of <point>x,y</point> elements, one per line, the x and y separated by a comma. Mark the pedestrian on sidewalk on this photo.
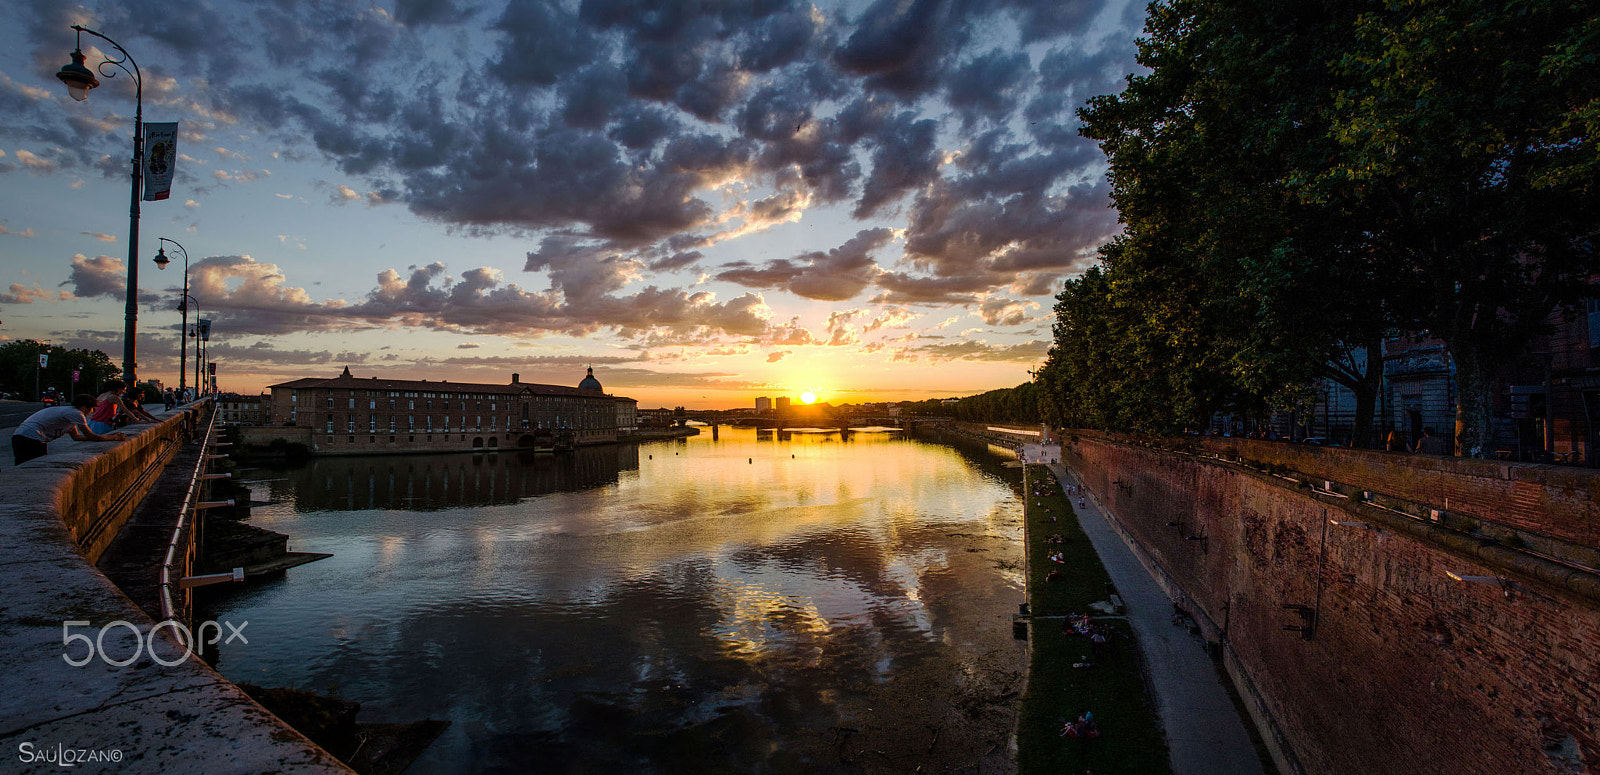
<point>33,436</point>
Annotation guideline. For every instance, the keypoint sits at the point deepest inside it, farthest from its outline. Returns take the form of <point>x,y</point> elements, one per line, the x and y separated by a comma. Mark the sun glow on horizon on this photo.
<point>808,397</point>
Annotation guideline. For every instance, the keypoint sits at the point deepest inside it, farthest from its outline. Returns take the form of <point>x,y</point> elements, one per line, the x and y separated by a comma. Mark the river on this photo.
<point>760,602</point>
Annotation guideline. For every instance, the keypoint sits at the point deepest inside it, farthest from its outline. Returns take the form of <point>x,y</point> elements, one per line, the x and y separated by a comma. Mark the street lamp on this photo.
<point>183,304</point>
<point>198,378</point>
<point>79,81</point>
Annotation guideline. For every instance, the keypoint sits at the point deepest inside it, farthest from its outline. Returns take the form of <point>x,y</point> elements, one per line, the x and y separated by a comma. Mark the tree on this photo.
<point>1299,181</point>
<point>1471,130</point>
<point>19,362</point>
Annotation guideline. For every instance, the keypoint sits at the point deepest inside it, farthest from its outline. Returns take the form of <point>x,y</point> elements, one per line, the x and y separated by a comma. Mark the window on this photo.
<point>352,403</point>
<point>330,402</point>
<point>391,403</point>
<point>372,403</point>
<point>294,415</point>
<point>411,404</point>
<point>294,396</point>
<point>372,424</point>
<point>391,423</point>
<point>329,429</point>
<point>1593,306</point>
<point>350,426</point>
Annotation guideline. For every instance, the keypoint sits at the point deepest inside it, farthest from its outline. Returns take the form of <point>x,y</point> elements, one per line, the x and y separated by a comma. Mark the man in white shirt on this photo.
<point>33,436</point>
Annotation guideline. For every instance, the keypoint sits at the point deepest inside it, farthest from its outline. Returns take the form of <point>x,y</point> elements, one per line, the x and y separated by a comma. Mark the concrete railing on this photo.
<point>84,673</point>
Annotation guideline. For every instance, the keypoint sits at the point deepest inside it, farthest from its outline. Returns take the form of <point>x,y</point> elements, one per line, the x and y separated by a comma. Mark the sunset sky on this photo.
<point>706,201</point>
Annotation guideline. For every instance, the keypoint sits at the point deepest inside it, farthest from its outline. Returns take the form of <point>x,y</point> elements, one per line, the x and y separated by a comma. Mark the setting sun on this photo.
<point>808,397</point>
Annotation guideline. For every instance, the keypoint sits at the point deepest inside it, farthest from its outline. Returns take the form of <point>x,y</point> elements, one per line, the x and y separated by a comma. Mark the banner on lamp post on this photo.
<point>203,329</point>
<point>160,159</point>
<point>44,360</point>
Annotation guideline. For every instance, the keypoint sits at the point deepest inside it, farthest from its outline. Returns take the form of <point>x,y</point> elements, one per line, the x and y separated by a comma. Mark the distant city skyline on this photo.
<point>839,197</point>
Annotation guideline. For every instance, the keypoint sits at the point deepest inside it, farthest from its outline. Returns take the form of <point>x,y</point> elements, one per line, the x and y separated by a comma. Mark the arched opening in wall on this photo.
<point>526,440</point>
<point>477,441</point>
<point>494,441</point>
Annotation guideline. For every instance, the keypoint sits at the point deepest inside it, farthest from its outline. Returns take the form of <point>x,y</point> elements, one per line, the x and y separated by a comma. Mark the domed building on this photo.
<point>590,383</point>
<point>349,415</point>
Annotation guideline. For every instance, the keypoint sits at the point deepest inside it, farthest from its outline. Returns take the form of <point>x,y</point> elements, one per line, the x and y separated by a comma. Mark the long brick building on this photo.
<point>354,415</point>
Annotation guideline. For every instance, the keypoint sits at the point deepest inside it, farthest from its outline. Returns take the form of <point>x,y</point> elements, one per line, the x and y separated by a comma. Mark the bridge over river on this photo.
<point>87,678</point>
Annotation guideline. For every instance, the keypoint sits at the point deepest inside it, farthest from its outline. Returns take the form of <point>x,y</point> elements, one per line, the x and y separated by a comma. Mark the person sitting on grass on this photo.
<point>33,436</point>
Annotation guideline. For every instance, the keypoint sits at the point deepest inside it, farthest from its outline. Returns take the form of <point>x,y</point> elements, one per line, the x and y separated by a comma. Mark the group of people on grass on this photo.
<point>1083,727</point>
<point>89,418</point>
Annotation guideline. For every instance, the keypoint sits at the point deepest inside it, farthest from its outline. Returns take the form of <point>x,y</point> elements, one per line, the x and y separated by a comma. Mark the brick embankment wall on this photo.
<point>1562,502</point>
<point>157,718</point>
<point>1408,671</point>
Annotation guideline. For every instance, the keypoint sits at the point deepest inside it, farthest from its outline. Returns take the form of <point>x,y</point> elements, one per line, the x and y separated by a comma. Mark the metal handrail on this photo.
<point>179,560</point>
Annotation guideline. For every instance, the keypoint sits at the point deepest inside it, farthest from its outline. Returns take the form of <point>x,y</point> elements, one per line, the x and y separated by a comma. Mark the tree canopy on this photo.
<point>1297,181</point>
<point>19,365</point>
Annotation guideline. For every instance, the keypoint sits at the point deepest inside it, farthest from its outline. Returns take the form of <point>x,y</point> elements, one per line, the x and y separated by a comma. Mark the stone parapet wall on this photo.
<point>1558,501</point>
<point>159,719</point>
<point>1407,671</point>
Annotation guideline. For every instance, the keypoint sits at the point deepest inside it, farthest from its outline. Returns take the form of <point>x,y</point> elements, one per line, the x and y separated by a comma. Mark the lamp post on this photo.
<point>79,81</point>
<point>183,304</point>
<point>187,300</point>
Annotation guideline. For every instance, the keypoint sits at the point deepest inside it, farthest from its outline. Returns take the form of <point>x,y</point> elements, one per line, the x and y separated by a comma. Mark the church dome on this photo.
<point>589,382</point>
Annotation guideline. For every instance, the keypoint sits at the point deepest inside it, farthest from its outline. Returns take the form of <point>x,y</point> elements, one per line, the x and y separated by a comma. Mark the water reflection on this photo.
<point>703,605</point>
<point>442,481</point>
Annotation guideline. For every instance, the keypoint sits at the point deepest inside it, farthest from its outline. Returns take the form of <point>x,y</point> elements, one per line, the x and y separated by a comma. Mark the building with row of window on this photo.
<point>242,410</point>
<point>354,415</point>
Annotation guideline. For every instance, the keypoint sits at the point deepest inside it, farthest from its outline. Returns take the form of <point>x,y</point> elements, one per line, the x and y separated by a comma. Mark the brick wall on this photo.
<point>1409,671</point>
<point>1558,501</point>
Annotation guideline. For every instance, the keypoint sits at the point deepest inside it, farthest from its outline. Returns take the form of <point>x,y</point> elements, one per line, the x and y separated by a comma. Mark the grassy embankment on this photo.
<point>1114,688</point>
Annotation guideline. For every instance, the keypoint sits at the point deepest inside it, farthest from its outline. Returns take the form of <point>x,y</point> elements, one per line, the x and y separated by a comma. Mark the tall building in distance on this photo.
<point>783,404</point>
<point>763,404</point>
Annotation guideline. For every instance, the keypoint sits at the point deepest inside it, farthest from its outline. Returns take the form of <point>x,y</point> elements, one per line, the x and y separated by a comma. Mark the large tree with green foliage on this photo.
<point>1468,130</point>
<point>1284,205</point>
<point>19,367</point>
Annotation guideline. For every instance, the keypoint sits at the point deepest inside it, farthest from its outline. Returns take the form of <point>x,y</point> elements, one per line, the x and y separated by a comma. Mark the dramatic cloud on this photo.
<point>1027,352</point>
<point>22,294</point>
<point>625,124</point>
<point>657,166</point>
<point>999,311</point>
<point>837,275</point>
<point>98,276</point>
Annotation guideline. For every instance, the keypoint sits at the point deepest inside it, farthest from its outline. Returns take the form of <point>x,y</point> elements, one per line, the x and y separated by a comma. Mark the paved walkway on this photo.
<point>1205,734</point>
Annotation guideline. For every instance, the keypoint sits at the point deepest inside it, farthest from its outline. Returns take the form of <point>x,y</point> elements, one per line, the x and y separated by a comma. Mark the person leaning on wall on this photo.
<point>33,436</point>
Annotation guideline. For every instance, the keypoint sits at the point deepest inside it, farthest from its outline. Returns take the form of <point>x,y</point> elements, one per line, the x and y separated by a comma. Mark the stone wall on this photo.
<point>157,718</point>
<point>1407,670</point>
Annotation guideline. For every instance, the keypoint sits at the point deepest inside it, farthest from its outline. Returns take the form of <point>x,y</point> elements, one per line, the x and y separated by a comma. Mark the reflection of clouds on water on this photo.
<point>705,606</point>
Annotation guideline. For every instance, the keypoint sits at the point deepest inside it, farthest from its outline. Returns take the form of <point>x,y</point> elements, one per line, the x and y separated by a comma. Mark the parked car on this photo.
<point>1321,441</point>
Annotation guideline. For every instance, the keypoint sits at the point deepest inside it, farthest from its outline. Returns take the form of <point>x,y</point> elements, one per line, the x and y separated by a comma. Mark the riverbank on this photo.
<point>1069,674</point>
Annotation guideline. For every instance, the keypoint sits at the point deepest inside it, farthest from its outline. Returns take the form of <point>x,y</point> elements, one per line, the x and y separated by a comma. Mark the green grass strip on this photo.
<point>1114,689</point>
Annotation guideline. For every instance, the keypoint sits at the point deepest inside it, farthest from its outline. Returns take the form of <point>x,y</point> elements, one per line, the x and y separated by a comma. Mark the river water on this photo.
<point>762,602</point>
